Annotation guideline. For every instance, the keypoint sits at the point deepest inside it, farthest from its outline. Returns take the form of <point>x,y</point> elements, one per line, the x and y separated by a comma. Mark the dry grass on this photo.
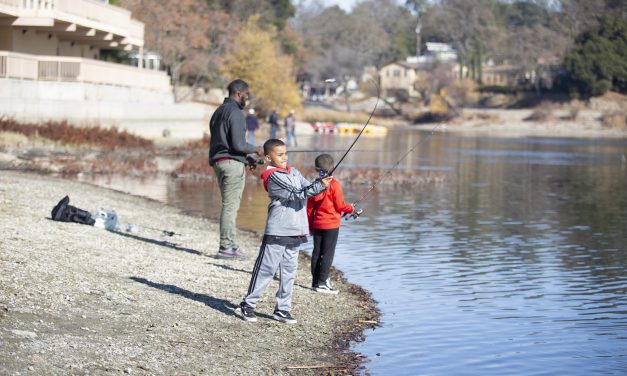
<point>12,139</point>
<point>108,164</point>
<point>65,133</point>
<point>197,167</point>
<point>572,114</point>
<point>476,117</point>
<point>463,92</point>
<point>541,114</point>
<point>99,151</point>
<point>615,120</point>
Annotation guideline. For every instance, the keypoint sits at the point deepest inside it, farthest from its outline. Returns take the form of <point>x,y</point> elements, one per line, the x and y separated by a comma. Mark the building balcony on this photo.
<point>76,69</point>
<point>88,22</point>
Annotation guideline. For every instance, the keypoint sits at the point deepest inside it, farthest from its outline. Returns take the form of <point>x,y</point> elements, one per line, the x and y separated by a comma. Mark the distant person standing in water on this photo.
<point>252,124</point>
<point>273,119</point>
<point>227,155</point>
<point>290,128</point>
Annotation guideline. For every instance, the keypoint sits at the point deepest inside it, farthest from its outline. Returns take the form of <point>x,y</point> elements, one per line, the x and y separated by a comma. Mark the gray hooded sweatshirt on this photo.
<point>288,191</point>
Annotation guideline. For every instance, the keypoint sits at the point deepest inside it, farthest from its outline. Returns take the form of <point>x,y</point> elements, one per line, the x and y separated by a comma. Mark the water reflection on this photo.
<point>514,265</point>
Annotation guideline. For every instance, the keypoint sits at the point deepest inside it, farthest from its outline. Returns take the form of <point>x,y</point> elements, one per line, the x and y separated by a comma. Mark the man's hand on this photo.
<point>259,151</point>
<point>253,161</point>
<point>326,181</point>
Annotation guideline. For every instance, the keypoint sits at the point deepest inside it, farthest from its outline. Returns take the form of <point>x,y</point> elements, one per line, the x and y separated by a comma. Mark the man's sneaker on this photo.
<point>326,288</point>
<point>283,316</point>
<point>231,253</point>
<point>248,312</point>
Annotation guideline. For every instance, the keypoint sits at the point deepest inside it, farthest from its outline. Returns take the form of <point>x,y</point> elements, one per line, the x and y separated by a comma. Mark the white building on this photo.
<point>50,67</point>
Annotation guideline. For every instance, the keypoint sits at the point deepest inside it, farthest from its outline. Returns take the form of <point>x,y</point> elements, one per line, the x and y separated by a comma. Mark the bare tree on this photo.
<point>189,37</point>
<point>470,25</point>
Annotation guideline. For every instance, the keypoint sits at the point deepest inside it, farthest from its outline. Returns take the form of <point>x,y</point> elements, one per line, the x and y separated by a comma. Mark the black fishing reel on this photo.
<point>253,162</point>
<point>355,214</point>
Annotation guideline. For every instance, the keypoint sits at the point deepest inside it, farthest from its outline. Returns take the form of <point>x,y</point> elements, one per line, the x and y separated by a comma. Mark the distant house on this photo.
<point>400,77</point>
<point>500,75</point>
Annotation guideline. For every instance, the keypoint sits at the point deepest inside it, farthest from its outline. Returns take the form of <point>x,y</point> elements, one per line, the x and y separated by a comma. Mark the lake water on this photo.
<point>515,264</point>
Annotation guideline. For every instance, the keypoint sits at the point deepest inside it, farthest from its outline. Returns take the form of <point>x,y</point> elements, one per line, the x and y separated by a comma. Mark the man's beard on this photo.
<point>242,102</point>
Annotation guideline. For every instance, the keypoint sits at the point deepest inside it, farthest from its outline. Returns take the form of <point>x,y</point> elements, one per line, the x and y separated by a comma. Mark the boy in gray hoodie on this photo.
<point>286,230</point>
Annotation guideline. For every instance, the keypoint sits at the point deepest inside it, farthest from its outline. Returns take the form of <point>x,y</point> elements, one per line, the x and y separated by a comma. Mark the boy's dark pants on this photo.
<point>324,242</point>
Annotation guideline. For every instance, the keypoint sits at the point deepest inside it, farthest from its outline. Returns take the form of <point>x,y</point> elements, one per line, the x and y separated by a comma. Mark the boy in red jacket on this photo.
<point>324,212</point>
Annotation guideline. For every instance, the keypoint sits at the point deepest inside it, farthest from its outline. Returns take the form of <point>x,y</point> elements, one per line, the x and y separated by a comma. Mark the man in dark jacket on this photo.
<point>227,155</point>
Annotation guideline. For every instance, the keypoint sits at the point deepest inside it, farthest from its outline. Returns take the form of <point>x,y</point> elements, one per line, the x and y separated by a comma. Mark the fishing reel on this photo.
<point>354,215</point>
<point>253,162</point>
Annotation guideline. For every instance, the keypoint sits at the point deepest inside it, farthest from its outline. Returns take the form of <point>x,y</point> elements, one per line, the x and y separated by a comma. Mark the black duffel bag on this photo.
<point>64,212</point>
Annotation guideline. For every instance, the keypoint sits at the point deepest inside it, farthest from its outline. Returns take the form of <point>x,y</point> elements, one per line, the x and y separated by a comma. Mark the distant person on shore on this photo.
<point>252,124</point>
<point>324,212</point>
<point>290,128</point>
<point>227,155</point>
<point>286,230</point>
<point>273,119</point>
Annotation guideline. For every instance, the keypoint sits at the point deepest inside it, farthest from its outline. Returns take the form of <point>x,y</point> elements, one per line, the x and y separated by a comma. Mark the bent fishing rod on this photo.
<point>330,173</point>
<point>357,213</point>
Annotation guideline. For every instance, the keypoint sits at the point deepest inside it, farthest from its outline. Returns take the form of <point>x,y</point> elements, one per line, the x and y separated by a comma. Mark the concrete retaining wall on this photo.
<point>149,113</point>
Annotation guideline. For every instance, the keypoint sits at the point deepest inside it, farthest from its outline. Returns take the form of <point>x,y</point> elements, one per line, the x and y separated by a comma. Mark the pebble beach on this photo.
<point>77,299</point>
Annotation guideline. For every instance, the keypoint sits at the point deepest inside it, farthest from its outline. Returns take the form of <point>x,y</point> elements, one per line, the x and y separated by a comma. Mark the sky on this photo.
<point>347,5</point>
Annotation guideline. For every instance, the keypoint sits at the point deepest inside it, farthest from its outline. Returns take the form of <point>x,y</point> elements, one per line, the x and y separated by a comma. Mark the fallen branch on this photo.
<point>315,367</point>
<point>369,321</point>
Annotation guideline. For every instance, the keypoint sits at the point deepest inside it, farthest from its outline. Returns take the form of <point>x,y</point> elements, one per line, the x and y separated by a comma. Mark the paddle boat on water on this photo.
<point>349,128</point>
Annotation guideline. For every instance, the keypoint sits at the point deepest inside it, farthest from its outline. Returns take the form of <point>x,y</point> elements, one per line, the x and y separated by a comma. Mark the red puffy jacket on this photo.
<point>324,210</point>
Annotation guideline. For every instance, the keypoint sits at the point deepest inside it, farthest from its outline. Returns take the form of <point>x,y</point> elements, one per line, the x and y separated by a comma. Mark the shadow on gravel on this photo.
<point>163,243</point>
<point>226,267</point>
<point>221,305</point>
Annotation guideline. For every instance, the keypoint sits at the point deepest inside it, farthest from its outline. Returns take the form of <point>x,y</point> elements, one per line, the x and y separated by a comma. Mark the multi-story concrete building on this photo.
<point>51,67</point>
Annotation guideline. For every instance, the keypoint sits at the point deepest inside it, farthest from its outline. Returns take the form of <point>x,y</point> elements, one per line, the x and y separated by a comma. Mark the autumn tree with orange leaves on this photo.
<point>257,59</point>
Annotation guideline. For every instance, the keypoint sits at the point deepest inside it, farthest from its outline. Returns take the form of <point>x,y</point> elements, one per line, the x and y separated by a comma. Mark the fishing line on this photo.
<point>389,171</point>
<point>362,129</point>
<point>335,151</point>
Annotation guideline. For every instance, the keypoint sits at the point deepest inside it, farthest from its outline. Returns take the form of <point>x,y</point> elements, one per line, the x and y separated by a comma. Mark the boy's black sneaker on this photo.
<point>283,316</point>
<point>248,312</point>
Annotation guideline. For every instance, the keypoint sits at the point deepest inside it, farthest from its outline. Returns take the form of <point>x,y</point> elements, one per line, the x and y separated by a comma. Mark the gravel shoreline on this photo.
<point>76,299</point>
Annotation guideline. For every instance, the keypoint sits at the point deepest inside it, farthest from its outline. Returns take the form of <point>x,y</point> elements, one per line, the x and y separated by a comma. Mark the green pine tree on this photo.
<point>598,62</point>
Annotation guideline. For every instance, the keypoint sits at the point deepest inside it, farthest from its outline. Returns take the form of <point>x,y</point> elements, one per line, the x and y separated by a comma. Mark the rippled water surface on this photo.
<point>515,264</point>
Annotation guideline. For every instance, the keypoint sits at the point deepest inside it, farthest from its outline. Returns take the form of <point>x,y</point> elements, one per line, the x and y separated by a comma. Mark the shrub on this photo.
<point>463,92</point>
<point>541,114</point>
<point>598,61</point>
<point>65,133</point>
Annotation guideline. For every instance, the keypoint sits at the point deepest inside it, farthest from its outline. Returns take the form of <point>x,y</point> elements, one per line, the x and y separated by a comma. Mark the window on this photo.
<point>397,72</point>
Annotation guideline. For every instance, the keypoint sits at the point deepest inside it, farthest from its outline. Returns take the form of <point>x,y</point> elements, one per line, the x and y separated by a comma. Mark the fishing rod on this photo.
<point>357,213</point>
<point>163,232</point>
<point>134,229</point>
<point>333,151</point>
<point>330,173</point>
